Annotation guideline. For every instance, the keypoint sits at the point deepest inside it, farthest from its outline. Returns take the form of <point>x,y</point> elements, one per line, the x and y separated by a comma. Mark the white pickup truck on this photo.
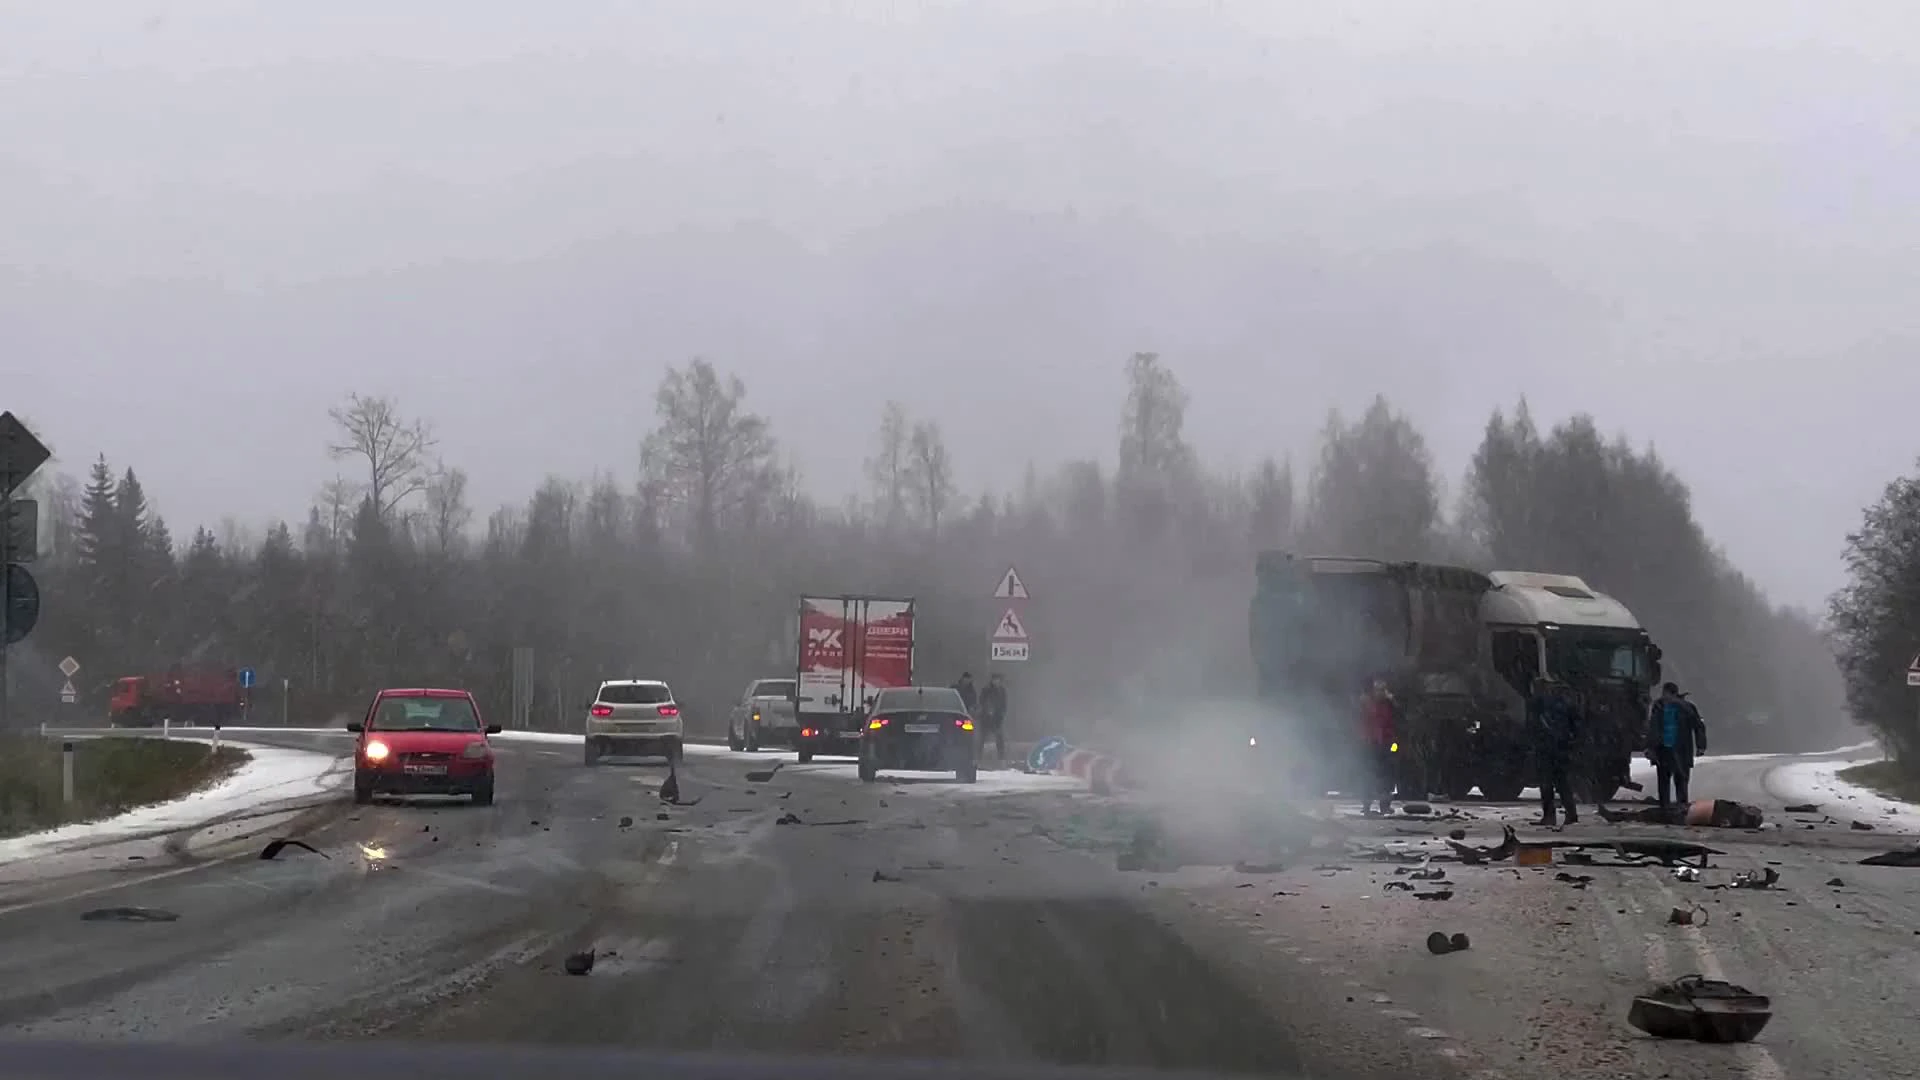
<point>763,716</point>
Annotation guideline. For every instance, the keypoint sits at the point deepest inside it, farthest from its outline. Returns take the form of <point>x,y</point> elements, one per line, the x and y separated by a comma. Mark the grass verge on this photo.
<point>1885,778</point>
<point>110,776</point>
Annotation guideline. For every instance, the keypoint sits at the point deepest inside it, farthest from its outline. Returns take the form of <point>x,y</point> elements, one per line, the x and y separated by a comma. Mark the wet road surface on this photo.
<point>717,928</point>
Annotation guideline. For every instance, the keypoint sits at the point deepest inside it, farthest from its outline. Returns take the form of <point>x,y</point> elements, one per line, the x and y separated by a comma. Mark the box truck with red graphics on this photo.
<point>851,648</point>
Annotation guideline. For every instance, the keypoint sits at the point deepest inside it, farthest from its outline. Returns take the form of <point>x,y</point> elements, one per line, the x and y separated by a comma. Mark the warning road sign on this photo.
<point>1011,587</point>
<point>1913,672</point>
<point>68,695</point>
<point>69,667</point>
<point>1010,628</point>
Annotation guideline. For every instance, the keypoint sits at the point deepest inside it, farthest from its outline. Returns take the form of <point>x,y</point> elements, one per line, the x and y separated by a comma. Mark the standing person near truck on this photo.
<point>968,693</point>
<point>1675,734</point>
<point>993,714</point>
<point>1554,718</point>
<point>1379,741</point>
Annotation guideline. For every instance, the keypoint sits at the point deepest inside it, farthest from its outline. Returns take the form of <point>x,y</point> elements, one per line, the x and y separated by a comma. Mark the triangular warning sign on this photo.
<point>1010,628</point>
<point>1011,587</point>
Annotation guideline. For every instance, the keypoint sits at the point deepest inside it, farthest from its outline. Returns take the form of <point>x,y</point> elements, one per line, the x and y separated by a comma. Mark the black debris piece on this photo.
<point>663,816</point>
<point>1509,843</point>
<point>1578,881</point>
<point>579,963</point>
<point>842,821</point>
<point>626,822</point>
<point>1804,808</point>
<point>761,776</point>
<point>788,818</point>
<point>1244,885</point>
<point>1437,894</point>
<point>1907,857</point>
<point>881,875</point>
<point>1764,878</point>
<point>1681,916</point>
<point>1459,943</point>
<point>1244,867</point>
<point>1862,826</point>
<point>1440,944</point>
<point>1457,834</point>
<point>1836,883</point>
<point>426,828</point>
<point>128,914</point>
<point>753,791</point>
<point>275,847</point>
<point>1417,808</point>
<point>1392,885</point>
<point>1431,873</point>
<point>1702,1009</point>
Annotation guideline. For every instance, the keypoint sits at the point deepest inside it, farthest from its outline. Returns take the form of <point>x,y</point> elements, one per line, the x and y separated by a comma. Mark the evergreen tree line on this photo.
<point>1876,620</point>
<point>1141,571</point>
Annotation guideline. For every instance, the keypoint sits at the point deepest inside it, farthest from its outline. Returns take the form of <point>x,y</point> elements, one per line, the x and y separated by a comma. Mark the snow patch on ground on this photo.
<point>270,775</point>
<point>1819,782</point>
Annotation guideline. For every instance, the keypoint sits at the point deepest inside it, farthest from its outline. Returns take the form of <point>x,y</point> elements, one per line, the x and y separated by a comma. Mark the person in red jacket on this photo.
<point>1379,735</point>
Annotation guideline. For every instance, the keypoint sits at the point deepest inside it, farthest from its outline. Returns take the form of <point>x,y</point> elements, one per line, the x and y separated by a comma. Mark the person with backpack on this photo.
<point>1676,734</point>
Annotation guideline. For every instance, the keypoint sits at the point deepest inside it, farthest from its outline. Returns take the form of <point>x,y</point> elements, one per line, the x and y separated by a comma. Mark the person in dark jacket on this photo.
<point>1675,736</point>
<point>968,695</point>
<point>1555,721</point>
<point>993,714</point>
<point>1379,735</point>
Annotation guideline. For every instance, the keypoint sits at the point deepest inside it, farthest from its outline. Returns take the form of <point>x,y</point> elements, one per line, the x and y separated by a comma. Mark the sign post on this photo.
<point>20,454</point>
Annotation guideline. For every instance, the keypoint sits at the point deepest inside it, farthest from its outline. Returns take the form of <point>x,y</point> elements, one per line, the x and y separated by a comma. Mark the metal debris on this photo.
<point>1702,1009</point>
<point>1437,894</point>
<point>788,818</point>
<point>761,776</point>
<point>275,847</point>
<point>128,914</point>
<point>579,963</point>
<point>1908,857</point>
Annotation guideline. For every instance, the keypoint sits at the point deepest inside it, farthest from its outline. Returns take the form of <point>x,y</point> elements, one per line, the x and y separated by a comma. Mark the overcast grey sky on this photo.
<point>1694,221</point>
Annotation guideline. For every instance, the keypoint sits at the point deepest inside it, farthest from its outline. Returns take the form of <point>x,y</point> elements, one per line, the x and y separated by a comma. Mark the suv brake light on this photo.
<point>601,710</point>
<point>669,710</point>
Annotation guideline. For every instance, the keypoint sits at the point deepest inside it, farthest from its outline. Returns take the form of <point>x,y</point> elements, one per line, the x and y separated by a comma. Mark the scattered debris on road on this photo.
<point>1578,881</point>
<point>275,847</point>
<point>1687,916</point>
<point>881,875</point>
<point>1908,857</point>
<point>1244,867</point>
<point>1392,885</point>
<point>1437,894</point>
<point>761,776</point>
<point>1701,1009</point>
<point>1686,873</point>
<point>1862,826</point>
<point>128,914</point>
<point>1764,878</point>
<point>788,818</point>
<point>1509,843</point>
<point>1440,944</point>
<point>1804,808</point>
<point>1714,813</point>
<point>1836,883</point>
<point>626,821</point>
<point>579,963</point>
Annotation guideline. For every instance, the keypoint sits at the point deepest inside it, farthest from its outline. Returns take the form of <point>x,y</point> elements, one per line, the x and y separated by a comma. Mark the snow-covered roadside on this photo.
<point>271,775</point>
<point>1819,782</point>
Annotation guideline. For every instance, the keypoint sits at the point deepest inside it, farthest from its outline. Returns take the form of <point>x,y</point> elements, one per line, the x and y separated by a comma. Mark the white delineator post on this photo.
<point>66,771</point>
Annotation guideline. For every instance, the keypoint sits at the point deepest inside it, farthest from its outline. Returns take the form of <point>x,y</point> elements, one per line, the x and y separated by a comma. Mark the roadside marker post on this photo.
<point>66,771</point>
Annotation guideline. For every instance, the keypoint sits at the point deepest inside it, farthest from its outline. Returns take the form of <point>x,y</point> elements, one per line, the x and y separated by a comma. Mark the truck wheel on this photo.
<point>805,755</point>
<point>753,738</point>
<point>483,792</point>
<point>592,752</point>
<point>362,791</point>
<point>968,772</point>
<point>869,769</point>
<point>734,742</point>
<point>674,755</point>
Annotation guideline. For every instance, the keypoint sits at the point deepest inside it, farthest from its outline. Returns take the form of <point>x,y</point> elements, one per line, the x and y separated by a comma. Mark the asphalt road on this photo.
<point>1000,930</point>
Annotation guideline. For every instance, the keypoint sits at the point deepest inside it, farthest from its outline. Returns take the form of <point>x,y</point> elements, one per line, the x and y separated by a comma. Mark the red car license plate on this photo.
<point>427,770</point>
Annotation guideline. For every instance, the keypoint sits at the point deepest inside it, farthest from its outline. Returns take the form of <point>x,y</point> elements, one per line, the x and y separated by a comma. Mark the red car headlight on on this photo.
<point>376,751</point>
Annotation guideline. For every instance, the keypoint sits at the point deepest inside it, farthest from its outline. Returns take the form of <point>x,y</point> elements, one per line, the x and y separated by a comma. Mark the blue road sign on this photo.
<point>246,678</point>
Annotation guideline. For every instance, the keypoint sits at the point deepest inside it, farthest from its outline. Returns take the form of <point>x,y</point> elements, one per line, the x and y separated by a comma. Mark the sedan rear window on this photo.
<point>773,688</point>
<point>635,694</point>
<point>426,714</point>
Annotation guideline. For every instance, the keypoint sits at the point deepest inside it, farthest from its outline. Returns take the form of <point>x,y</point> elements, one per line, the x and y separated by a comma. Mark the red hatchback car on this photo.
<point>423,742</point>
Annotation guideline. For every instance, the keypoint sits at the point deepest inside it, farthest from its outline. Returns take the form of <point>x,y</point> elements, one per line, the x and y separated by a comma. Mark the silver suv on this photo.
<point>634,717</point>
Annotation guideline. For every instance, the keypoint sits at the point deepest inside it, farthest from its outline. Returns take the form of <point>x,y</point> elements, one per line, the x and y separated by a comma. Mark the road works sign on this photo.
<point>1011,587</point>
<point>1913,672</point>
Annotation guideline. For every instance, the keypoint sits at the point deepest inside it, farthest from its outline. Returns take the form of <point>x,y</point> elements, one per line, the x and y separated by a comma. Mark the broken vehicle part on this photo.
<point>128,914</point>
<point>1908,857</point>
<point>275,847</point>
<point>1702,1009</point>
